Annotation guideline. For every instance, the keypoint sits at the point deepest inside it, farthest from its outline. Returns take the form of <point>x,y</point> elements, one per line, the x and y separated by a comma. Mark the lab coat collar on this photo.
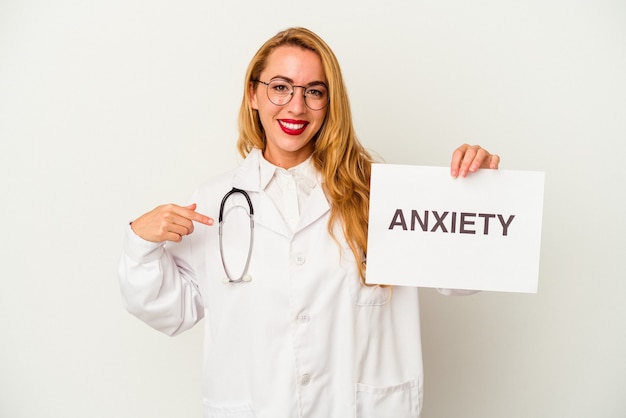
<point>248,177</point>
<point>304,171</point>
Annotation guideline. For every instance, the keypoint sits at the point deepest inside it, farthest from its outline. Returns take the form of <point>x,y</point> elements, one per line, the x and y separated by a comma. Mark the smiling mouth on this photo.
<point>292,127</point>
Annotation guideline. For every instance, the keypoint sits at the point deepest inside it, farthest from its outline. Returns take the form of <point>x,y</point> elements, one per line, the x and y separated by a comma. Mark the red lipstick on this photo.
<point>292,127</point>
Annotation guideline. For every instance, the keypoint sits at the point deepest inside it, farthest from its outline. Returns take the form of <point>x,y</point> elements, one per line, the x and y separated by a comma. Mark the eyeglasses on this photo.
<point>280,92</point>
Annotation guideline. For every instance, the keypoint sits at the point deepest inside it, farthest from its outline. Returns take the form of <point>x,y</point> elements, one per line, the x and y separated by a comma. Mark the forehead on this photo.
<point>298,64</point>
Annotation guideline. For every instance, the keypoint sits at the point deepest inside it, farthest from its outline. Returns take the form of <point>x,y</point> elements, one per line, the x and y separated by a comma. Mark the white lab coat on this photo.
<point>304,338</point>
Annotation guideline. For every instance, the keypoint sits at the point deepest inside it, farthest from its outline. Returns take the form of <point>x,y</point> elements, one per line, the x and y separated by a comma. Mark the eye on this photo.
<point>280,87</point>
<point>317,91</point>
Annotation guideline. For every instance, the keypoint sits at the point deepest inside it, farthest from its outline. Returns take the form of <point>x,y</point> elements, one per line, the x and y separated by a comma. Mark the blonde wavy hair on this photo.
<point>338,155</point>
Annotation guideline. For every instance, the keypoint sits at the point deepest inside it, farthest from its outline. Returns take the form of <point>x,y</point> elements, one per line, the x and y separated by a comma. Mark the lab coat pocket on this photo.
<point>230,410</point>
<point>399,401</point>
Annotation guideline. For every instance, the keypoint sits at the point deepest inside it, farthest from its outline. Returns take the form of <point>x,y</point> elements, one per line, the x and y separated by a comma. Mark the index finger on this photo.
<point>457,158</point>
<point>190,213</point>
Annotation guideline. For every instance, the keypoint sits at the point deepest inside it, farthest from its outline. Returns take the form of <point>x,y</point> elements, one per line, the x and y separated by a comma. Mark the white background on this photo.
<point>110,108</point>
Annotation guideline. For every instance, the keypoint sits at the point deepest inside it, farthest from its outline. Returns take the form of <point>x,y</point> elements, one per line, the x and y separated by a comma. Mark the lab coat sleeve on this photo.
<point>158,287</point>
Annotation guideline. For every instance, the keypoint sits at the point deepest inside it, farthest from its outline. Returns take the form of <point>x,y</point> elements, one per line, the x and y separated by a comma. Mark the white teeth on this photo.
<point>292,126</point>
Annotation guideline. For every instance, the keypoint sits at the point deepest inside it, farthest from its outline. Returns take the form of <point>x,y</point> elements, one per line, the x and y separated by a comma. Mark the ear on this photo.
<point>253,98</point>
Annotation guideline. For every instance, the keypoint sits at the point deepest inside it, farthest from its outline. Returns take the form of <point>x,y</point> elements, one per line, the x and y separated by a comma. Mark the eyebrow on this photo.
<point>282,77</point>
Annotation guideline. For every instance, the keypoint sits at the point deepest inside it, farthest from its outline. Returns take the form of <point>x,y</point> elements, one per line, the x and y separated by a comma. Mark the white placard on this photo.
<point>482,232</point>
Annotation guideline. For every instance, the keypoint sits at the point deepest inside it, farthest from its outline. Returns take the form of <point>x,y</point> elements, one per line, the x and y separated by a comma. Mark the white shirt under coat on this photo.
<point>304,338</point>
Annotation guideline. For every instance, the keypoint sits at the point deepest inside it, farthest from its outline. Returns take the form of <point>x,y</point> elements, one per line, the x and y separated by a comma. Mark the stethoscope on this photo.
<point>244,277</point>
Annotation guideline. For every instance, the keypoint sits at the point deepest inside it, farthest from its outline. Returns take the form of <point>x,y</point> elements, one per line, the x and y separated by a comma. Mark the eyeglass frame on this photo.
<point>293,90</point>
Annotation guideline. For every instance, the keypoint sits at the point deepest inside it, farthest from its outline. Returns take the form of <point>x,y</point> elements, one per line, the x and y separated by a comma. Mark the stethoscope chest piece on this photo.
<point>245,278</point>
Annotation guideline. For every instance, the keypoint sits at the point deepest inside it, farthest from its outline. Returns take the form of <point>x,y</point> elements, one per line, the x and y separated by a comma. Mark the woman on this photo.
<point>291,330</point>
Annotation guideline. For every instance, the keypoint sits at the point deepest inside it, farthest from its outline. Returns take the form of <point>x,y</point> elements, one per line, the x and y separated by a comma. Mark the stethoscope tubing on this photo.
<point>244,277</point>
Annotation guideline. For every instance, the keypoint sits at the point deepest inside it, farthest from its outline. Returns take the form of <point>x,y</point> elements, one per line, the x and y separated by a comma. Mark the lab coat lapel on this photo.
<point>266,214</point>
<point>247,176</point>
<point>269,216</point>
<point>315,207</point>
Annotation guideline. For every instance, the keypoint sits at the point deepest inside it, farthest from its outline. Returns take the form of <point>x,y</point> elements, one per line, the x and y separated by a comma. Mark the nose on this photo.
<point>297,103</point>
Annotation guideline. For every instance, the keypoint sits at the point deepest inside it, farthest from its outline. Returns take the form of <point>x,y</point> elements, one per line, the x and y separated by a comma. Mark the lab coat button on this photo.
<point>304,318</point>
<point>305,379</point>
<point>300,259</point>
